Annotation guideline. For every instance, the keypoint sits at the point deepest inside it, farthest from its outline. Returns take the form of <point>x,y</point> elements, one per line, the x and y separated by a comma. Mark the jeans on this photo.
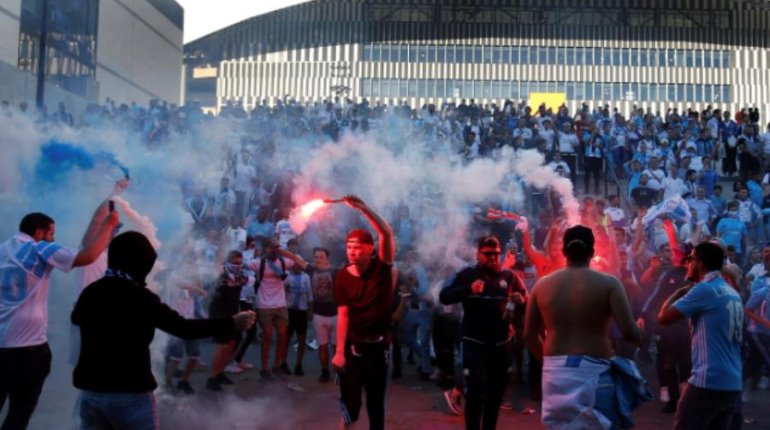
<point>22,374</point>
<point>416,333</point>
<point>118,411</point>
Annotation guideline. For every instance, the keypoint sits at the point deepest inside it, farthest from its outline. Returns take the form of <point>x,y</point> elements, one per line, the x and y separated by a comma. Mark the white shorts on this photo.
<point>325,329</point>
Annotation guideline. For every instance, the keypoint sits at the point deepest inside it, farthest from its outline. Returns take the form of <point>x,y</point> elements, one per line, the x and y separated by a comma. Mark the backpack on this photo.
<point>261,274</point>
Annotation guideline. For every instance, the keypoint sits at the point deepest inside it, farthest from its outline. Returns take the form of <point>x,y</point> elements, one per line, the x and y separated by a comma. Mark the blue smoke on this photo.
<point>59,158</point>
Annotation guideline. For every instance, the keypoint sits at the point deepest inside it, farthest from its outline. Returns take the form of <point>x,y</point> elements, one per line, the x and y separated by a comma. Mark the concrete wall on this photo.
<point>139,53</point>
<point>10,11</point>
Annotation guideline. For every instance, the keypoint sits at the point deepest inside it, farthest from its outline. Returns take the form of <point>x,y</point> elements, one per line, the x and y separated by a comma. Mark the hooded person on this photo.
<point>113,371</point>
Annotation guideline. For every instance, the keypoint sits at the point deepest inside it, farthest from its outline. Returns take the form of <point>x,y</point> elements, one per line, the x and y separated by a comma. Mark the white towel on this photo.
<point>570,384</point>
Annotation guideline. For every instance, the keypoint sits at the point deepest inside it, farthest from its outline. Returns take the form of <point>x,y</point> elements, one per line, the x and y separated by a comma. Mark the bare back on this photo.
<point>577,306</point>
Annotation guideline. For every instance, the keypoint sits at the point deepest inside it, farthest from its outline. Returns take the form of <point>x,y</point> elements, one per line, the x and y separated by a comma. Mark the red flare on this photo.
<point>308,209</point>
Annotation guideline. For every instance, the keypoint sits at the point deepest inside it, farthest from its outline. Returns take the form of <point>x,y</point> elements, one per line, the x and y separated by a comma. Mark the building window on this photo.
<point>404,57</point>
<point>506,54</point>
<point>515,55</point>
<point>431,53</point>
<point>725,59</point>
<point>552,56</point>
<point>486,54</point>
<point>71,42</point>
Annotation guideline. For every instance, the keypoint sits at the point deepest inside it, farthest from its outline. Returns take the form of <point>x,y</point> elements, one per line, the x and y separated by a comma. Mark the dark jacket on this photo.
<point>483,318</point>
<point>117,320</point>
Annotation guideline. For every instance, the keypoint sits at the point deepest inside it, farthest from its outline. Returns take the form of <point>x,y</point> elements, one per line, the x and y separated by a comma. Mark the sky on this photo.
<point>202,17</point>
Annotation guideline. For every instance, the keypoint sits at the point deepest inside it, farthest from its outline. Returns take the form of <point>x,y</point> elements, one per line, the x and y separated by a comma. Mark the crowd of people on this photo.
<point>651,188</point>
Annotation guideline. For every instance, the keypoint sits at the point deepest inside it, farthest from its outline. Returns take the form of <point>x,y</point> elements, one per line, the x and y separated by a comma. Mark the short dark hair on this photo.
<point>321,249</point>
<point>717,186</point>
<point>711,255</point>
<point>34,221</point>
<point>578,244</point>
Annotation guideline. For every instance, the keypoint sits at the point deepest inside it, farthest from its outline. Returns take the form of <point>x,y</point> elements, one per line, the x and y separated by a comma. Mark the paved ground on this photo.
<point>252,404</point>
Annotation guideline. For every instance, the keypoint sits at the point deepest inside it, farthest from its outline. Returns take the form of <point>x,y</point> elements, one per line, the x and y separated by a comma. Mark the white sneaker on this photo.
<point>312,344</point>
<point>664,397</point>
<point>233,368</point>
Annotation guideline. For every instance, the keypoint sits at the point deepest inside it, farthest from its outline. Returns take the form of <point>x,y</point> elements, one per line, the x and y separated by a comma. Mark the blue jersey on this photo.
<point>760,292</point>
<point>715,311</point>
<point>732,230</point>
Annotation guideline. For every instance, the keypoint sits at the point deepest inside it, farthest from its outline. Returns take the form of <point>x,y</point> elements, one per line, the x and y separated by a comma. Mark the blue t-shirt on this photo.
<point>266,229</point>
<point>715,311</point>
<point>732,230</point>
<point>760,292</point>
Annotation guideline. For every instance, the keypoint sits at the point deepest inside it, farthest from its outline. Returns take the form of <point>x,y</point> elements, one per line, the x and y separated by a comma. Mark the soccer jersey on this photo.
<point>715,311</point>
<point>25,271</point>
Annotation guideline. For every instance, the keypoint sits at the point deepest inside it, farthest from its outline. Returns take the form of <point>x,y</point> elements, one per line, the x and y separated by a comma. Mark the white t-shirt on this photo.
<point>566,142</point>
<point>673,186</point>
<point>656,177</point>
<point>86,275</point>
<point>284,232</point>
<point>272,292</point>
<point>236,238</point>
<point>549,136</point>
<point>25,271</point>
<point>244,174</point>
<point>616,215</point>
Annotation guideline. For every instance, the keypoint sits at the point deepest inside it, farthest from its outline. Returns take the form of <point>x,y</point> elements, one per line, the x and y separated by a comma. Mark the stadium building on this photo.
<point>127,50</point>
<point>650,53</point>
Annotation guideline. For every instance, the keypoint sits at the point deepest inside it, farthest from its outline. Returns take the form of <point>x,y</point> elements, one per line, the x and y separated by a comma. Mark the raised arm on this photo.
<point>387,249</point>
<point>296,259</point>
<point>98,242</point>
<point>101,212</point>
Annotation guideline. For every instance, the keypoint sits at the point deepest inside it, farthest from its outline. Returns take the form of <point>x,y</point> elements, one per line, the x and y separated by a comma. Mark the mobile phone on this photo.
<point>112,206</point>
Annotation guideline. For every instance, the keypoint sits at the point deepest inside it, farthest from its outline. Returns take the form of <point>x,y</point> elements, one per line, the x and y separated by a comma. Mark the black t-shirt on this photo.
<point>322,281</point>
<point>483,319</point>
<point>369,301</point>
<point>643,196</point>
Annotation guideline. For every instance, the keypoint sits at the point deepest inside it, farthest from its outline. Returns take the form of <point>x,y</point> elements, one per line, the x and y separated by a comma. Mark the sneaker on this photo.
<point>325,377</point>
<point>233,368</point>
<point>312,344</point>
<point>185,387</point>
<point>664,397</point>
<point>224,380</point>
<point>298,371</point>
<point>245,365</point>
<point>453,400</point>
<point>213,385</point>
<point>505,405</point>
<point>265,374</point>
<point>284,368</point>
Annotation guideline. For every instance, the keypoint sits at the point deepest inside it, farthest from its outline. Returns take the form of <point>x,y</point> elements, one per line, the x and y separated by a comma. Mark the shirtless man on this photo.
<point>576,306</point>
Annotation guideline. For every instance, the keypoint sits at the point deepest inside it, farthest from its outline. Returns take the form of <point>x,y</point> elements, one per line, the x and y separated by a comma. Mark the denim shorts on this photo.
<point>177,348</point>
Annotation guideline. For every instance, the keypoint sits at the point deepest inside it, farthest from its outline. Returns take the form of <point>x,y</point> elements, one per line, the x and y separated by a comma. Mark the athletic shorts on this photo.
<point>325,329</point>
<point>297,322</point>
<point>273,316</point>
<point>177,348</point>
